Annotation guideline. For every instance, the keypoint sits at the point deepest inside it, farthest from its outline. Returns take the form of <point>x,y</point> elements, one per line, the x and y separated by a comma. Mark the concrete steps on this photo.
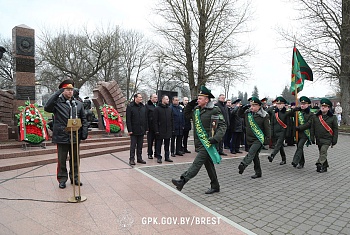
<point>14,155</point>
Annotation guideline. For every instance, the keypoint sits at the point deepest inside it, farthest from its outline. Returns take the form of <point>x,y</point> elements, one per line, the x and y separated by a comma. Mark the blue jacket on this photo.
<point>179,119</point>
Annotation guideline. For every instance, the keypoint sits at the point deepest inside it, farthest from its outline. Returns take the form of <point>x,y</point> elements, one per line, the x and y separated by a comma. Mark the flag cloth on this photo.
<point>300,72</point>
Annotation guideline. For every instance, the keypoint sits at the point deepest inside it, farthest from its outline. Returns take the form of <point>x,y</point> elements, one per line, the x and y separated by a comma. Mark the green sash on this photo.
<point>256,129</point>
<point>307,131</point>
<point>203,137</point>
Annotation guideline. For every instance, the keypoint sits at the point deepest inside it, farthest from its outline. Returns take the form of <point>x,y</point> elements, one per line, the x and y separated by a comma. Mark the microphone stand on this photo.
<point>74,125</point>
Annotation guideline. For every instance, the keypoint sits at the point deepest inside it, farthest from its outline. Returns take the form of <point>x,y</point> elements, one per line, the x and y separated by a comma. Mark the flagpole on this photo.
<point>296,114</point>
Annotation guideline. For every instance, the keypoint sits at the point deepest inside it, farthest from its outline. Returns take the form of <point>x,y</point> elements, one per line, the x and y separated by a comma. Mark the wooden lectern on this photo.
<point>74,125</point>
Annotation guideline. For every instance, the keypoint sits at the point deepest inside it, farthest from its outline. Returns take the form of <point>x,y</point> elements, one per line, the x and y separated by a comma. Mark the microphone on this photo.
<point>70,108</point>
<point>76,108</point>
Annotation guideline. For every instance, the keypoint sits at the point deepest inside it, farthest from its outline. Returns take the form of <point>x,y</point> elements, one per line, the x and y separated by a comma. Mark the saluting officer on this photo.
<point>305,117</point>
<point>325,130</point>
<point>209,129</point>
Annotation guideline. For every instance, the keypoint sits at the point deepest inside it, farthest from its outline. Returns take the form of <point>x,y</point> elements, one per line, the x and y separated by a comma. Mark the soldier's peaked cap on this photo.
<point>254,100</point>
<point>66,84</point>
<point>281,100</point>
<point>205,92</point>
<point>236,101</point>
<point>304,99</point>
<point>326,101</point>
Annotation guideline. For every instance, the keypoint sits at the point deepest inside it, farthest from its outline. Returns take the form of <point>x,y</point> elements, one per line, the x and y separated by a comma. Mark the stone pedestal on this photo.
<point>23,39</point>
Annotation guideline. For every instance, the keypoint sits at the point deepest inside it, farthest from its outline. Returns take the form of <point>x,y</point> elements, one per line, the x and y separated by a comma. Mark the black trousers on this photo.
<point>176,141</point>
<point>236,141</point>
<point>151,137</point>
<point>62,154</point>
<point>159,143</point>
<point>185,139</point>
<point>136,143</point>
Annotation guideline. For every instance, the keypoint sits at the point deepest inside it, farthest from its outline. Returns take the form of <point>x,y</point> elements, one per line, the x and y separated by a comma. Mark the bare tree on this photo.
<point>201,38</point>
<point>324,37</point>
<point>79,56</point>
<point>134,59</point>
<point>6,66</point>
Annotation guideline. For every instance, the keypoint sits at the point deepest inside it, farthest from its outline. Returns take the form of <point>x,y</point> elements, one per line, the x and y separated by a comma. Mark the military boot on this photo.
<point>271,157</point>
<point>179,183</point>
<point>241,168</point>
<point>318,167</point>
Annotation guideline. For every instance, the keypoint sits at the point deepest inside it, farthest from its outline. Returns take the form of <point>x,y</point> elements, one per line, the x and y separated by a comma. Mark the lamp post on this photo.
<point>2,51</point>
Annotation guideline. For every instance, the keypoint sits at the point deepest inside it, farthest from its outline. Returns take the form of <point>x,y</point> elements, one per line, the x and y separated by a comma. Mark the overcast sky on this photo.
<point>270,65</point>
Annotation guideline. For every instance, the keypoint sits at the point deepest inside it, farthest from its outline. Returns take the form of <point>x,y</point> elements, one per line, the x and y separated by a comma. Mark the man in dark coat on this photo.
<point>305,117</point>
<point>225,112</point>
<point>136,122</point>
<point>63,105</point>
<point>179,124</point>
<point>236,128</point>
<point>163,127</point>
<point>257,134</point>
<point>187,128</point>
<point>279,117</point>
<point>209,129</point>
<point>325,129</point>
<point>151,136</point>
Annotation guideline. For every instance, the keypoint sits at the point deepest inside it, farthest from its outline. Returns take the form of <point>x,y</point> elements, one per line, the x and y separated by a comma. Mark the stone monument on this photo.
<point>23,38</point>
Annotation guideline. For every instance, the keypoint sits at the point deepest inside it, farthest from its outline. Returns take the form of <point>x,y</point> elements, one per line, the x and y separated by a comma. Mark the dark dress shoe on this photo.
<point>178,183</point>
<point>159,160</point>
<point>132,162</point>
<point>150,157</point>
<point>173,155</point>
<point>256,176</point>
<point>187,151</point>
<point>76,182</point>
<point>212,190</point>
<point>168,160</point>
<point>300,166</point>
<point>233,152</point>
<point>141,161</point>
<point>323,169</point>
<point>294,164</point>
<point>223,154</point>
<point>179,154</point>
<point>62,185</point>
<point>239,152</point>
<point>318,167</point>
<point>241,168</point>
<point>270,158</point>
<point>282,162</point>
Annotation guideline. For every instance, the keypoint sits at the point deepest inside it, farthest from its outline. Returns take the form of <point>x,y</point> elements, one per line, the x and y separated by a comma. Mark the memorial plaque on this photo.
<point>25,46</point>
<point>25,93</point>
<point>25,65</point>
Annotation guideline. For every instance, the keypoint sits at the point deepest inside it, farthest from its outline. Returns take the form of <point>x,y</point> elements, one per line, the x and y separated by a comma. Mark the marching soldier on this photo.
<point>279,126</point>
<point>257,134</point>
<point>305,117</point>
<point>325,130</point>
<point>209,129</point>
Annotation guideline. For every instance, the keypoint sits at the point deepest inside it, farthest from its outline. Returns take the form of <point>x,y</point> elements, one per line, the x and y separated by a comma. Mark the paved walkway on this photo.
<point>142,200</point>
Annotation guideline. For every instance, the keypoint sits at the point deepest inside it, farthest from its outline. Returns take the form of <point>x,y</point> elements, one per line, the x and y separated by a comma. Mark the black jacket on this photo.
<point>136,118</point>
<point>163,121</point>
<point>225,112</point>
<point>149,110</point>
<point>57,104</point>
<point>236,121</point>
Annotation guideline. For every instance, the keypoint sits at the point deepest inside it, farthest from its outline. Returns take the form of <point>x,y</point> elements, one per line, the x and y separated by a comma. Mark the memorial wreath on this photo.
<point>32,124</point>
<point>112,121</point>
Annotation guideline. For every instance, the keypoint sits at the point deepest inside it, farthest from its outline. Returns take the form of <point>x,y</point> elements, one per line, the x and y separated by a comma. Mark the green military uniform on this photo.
<point>261,120</point>
<point>279,127</point>
<point>305,117</point>
<point>206,115</point>
<point>324,137</point>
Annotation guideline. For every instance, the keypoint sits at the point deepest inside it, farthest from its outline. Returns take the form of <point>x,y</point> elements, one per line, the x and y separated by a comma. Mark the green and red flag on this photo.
<point>300,72</point>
